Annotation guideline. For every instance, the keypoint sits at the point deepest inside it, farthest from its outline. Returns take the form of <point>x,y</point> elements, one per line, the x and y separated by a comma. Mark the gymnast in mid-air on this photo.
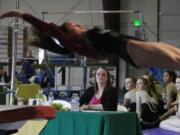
<point>97,43</point>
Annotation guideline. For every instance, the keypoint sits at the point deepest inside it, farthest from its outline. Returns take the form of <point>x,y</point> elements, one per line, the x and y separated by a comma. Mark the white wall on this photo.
<point>170,22</point>
<point>149,10</point>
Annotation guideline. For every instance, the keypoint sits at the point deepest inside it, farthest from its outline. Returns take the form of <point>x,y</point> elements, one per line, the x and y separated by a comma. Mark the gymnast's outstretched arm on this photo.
<point>157,54</point>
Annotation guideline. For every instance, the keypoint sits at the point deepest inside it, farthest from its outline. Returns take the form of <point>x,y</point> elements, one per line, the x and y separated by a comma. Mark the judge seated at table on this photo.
<point>101,96</point>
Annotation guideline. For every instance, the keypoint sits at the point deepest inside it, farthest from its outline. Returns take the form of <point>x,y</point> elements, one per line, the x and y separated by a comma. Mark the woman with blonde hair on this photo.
<point>130,97</point>
<point>154,92</point>
<point>146,105</point>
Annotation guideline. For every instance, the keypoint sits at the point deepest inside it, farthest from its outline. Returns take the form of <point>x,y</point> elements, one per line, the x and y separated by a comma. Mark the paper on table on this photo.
<point>63,102</point>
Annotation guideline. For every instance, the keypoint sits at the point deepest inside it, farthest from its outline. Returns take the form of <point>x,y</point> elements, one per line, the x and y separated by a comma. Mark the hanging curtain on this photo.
<point>112,21</point>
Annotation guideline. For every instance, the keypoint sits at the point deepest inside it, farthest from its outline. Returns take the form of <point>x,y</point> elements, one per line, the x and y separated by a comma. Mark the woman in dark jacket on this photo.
<point>101,96</point>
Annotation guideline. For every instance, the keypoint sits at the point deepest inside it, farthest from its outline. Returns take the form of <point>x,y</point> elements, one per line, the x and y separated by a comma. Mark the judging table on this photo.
<point>93,123</point>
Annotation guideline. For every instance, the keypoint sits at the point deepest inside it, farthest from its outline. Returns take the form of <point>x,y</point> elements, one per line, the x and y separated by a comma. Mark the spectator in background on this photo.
<point>101,96</point>
<point>28,69</point>
<point>170,89</point>
<point>156,93</point>
<point>4,78</point>
<point>146,105</point>
<point>130,96</point>
<point>173,122</point>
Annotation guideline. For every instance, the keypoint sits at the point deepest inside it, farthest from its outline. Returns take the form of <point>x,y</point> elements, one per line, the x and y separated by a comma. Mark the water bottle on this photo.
<point>75,102</point>
<point>51,97</point>
<point>41,99</point>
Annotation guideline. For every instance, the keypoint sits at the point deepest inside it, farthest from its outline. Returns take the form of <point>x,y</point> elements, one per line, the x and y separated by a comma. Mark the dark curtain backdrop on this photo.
<point>112,21</point>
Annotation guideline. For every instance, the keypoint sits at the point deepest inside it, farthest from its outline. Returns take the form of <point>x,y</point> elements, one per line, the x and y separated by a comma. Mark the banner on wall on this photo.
<point>76,77</point>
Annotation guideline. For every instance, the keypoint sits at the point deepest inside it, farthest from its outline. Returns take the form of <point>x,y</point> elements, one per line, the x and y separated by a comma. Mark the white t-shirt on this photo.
<point>131,95</point>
